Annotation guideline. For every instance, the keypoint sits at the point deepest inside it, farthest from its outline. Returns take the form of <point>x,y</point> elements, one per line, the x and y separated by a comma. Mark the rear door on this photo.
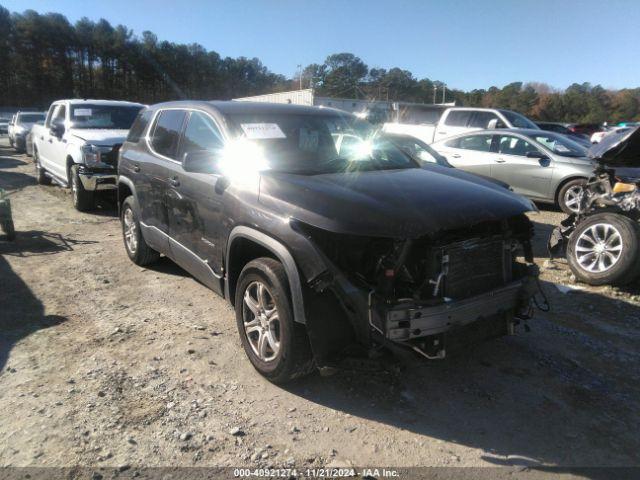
<point>194,205</point>
<point>44,141</point>
<point>471,153</point>
<point>155,170</point>
<point>527,176</point>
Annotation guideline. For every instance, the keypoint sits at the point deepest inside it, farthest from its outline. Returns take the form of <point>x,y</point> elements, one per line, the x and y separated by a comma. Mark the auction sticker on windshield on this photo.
<point>82,112</point>
<point>262,131</point>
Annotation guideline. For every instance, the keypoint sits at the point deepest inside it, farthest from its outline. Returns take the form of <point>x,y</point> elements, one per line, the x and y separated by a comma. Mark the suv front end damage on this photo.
<point>427,293</point>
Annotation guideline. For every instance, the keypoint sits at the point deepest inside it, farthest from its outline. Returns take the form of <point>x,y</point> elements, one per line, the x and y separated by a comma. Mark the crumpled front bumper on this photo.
<point>407,320</point>
<point>93,180</point>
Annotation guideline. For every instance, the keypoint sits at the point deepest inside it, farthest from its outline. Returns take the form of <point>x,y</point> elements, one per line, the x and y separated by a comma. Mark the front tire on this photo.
<point>605,249</point>
<point>83,200</point>
<point>137,249</point>
<point>276,345</point>
<point>570,195</point>
<point>41,177</point>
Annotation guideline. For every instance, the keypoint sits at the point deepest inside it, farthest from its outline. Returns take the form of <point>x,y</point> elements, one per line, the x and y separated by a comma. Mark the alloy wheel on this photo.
<point>599,248</point>
<point>261,321</point>
<point>573,197</point>
<point>130,231</point>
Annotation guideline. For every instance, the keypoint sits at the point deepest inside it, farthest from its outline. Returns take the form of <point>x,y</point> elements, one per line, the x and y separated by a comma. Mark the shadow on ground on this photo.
<point>37,242</point>
<point>21,314</point>
<point>560,395</point>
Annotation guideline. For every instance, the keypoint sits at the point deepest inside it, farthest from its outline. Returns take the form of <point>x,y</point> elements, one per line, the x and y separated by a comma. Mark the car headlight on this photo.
<point>92,154</point>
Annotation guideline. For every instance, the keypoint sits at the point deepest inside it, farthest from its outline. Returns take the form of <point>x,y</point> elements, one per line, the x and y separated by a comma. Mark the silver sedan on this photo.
<point>544,166</point>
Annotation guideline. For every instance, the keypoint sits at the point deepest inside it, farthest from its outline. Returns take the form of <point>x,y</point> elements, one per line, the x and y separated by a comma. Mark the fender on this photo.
<point>129,183</point>
<point>281,252</point>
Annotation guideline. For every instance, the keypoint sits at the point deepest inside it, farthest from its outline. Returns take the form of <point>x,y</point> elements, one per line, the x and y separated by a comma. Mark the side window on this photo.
<point>52,109</point>
<point>139,126</point>
<point>201,134</point>
<point>479,143</point>
<point>482,119</point>
<point>509,145</point>
<point>59,115</point>
<point>166,132</point>
<point>458,118</point>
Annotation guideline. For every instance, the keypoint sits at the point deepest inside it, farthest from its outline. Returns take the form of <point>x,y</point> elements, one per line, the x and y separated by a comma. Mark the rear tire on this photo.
<point>605,249</point>
<point>41,177</point>
<point>287,352</point>
<point>8,229</point>
<point>569,195</point>
<point>83,200</point>
<point>137,249</point>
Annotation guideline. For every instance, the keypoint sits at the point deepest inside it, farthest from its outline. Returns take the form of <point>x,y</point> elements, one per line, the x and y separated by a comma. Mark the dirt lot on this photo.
<point>108,364</point>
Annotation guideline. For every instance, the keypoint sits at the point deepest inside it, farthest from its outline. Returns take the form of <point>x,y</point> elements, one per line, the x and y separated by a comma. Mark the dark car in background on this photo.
<point>328,240</point>
<point>20,128</point>
<point>563,128</point>
<point>4,125</point>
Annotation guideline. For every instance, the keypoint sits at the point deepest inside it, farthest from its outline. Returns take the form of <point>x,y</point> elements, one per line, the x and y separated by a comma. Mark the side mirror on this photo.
<point>201,162</point>
<point>57,129</point>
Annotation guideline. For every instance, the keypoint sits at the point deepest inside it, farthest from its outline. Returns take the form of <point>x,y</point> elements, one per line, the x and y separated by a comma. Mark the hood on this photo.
<point>618,149</point>
<point>405,203</point>
<point>100,136</point>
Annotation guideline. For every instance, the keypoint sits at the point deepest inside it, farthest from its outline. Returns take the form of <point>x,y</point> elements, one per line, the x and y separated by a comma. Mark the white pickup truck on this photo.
<point>431,124</point>
<point>78,145</point>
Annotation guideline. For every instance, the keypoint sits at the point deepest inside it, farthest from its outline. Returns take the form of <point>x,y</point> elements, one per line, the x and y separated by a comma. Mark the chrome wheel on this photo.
<point>572,198</point>
<point>599,248</point>
<point>130,231</point>
<point>261,321</point>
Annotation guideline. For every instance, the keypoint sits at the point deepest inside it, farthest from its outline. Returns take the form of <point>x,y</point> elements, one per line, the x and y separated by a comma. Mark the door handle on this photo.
<point>500,160</point>
<point>136,168</point>
<point>174,182</point>
<point>456,155</point>
<point>50,141</point>
<point>442,133</point>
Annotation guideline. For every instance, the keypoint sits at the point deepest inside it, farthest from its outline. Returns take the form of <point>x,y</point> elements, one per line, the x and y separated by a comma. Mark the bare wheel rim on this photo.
<point>261,321</point>
<point>130,233</point>
<point>599,248</point>
<point>572,198</point>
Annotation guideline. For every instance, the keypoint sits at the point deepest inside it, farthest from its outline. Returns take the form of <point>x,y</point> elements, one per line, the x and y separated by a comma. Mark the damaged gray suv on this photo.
<point>329,241</point>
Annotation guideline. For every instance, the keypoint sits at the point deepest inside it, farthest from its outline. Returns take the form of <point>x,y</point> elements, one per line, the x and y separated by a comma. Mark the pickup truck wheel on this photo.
<point>82,199</point>
<point>605,249</point>
<point>277,346</point>
<point>41,178</point>
<point>570,194</point>
<point>137,249</point>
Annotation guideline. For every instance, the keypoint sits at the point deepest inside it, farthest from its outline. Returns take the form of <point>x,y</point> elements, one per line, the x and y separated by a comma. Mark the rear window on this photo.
<point>166,133</point>
<point>139,126</point>
<point>458,118</point>
<point>482,119</point>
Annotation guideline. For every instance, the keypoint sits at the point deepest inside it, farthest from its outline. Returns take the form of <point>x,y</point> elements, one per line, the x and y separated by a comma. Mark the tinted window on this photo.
<point>30,117</point>
<point>519,121</point>
<point>458,118</point>
<point>166,133</point>
<point>201,134</point>
<point>515,146</point>
<point>480,143</point>
<point>416,115</point>
<point>139,126</point>
<point>482,119</point>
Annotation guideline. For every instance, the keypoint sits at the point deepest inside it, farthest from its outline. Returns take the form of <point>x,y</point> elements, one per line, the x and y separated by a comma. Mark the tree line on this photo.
<point>43,57</point>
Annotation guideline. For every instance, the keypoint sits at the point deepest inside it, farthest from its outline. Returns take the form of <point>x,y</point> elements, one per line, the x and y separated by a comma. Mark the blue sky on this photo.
<point>465,43</point>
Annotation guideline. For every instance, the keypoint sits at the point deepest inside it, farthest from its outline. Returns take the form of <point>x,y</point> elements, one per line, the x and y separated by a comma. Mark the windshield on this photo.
<point>314,144</point>
<point>519,121</point>
<point>114,117</point>
<point>559,144</point>
<point>418,150</point>
<point>30,117</point>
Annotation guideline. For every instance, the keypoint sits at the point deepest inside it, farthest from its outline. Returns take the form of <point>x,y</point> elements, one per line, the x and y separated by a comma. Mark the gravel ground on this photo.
<point>106,364</point>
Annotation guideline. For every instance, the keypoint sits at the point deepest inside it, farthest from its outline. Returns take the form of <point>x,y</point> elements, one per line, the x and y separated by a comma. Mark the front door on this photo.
<point>194,206</point>
<point>527,176</point>
<point>156,168</point>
